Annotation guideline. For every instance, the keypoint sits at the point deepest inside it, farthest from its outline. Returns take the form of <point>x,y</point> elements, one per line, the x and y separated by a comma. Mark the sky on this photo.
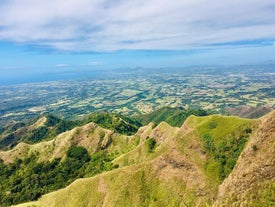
<point>53,35</point>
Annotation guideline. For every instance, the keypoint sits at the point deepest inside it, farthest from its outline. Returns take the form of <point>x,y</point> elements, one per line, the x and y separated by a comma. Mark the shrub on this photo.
<point>213,125</point>
<point>151,145</point>
<point>208,143</point>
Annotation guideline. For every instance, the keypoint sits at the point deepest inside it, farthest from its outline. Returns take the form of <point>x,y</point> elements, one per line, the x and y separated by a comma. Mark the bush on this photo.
<point>208,143</point>
<point>248,130</point>
<point>151,145</point>
<point>213,125</point>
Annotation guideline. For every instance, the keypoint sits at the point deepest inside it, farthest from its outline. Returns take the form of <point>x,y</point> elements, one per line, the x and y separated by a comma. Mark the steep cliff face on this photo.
<point>252,181</point>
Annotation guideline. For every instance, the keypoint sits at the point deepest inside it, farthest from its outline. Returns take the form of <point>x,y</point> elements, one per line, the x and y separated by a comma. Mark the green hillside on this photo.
<point>223,140</point>
<point>173,116</point>
<point>43,128</point>
<point>116,122</point>
<point>157,166</point>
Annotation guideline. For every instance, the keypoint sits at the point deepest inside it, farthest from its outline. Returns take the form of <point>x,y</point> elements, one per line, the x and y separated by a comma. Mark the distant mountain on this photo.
<point>211,160</point>
<point>173,116</point>
<point>249,111</point>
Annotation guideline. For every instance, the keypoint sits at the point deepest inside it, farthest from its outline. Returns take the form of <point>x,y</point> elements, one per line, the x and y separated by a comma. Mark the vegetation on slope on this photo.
<point>28,179</point>
<point>151,145</point>
<point>223,140</point>
<point>173,116</point>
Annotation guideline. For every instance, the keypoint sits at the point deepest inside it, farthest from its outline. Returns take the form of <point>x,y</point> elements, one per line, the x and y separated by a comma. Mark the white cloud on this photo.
<point>106,25</point>
<point>61,65</point>
<point>95,63</point>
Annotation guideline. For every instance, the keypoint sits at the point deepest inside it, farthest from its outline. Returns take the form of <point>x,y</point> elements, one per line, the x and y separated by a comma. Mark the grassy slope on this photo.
<point>223,126</point>
<point>135,185</point>
<point>174,174</point>
<point>228,138</point>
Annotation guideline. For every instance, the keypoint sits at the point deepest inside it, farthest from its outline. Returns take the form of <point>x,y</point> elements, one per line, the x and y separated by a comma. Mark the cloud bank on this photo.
<point>108,25</point>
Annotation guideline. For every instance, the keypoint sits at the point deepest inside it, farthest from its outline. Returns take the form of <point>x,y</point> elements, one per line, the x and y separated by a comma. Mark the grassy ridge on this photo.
<point>22,132</point>
<point>158,166</point>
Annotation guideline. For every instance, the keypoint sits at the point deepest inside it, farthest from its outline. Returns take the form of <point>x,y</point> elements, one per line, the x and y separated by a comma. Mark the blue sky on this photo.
<point>52,35</point>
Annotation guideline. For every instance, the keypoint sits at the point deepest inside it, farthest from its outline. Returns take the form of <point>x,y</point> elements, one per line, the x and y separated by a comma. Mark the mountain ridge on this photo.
<point>158,160</point>
<point>199,162</point>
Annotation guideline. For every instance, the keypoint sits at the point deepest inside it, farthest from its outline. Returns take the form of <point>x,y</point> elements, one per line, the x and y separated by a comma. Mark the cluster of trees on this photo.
<point>60,125</point>
<point>10,140</point>
<point>26,180</point>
